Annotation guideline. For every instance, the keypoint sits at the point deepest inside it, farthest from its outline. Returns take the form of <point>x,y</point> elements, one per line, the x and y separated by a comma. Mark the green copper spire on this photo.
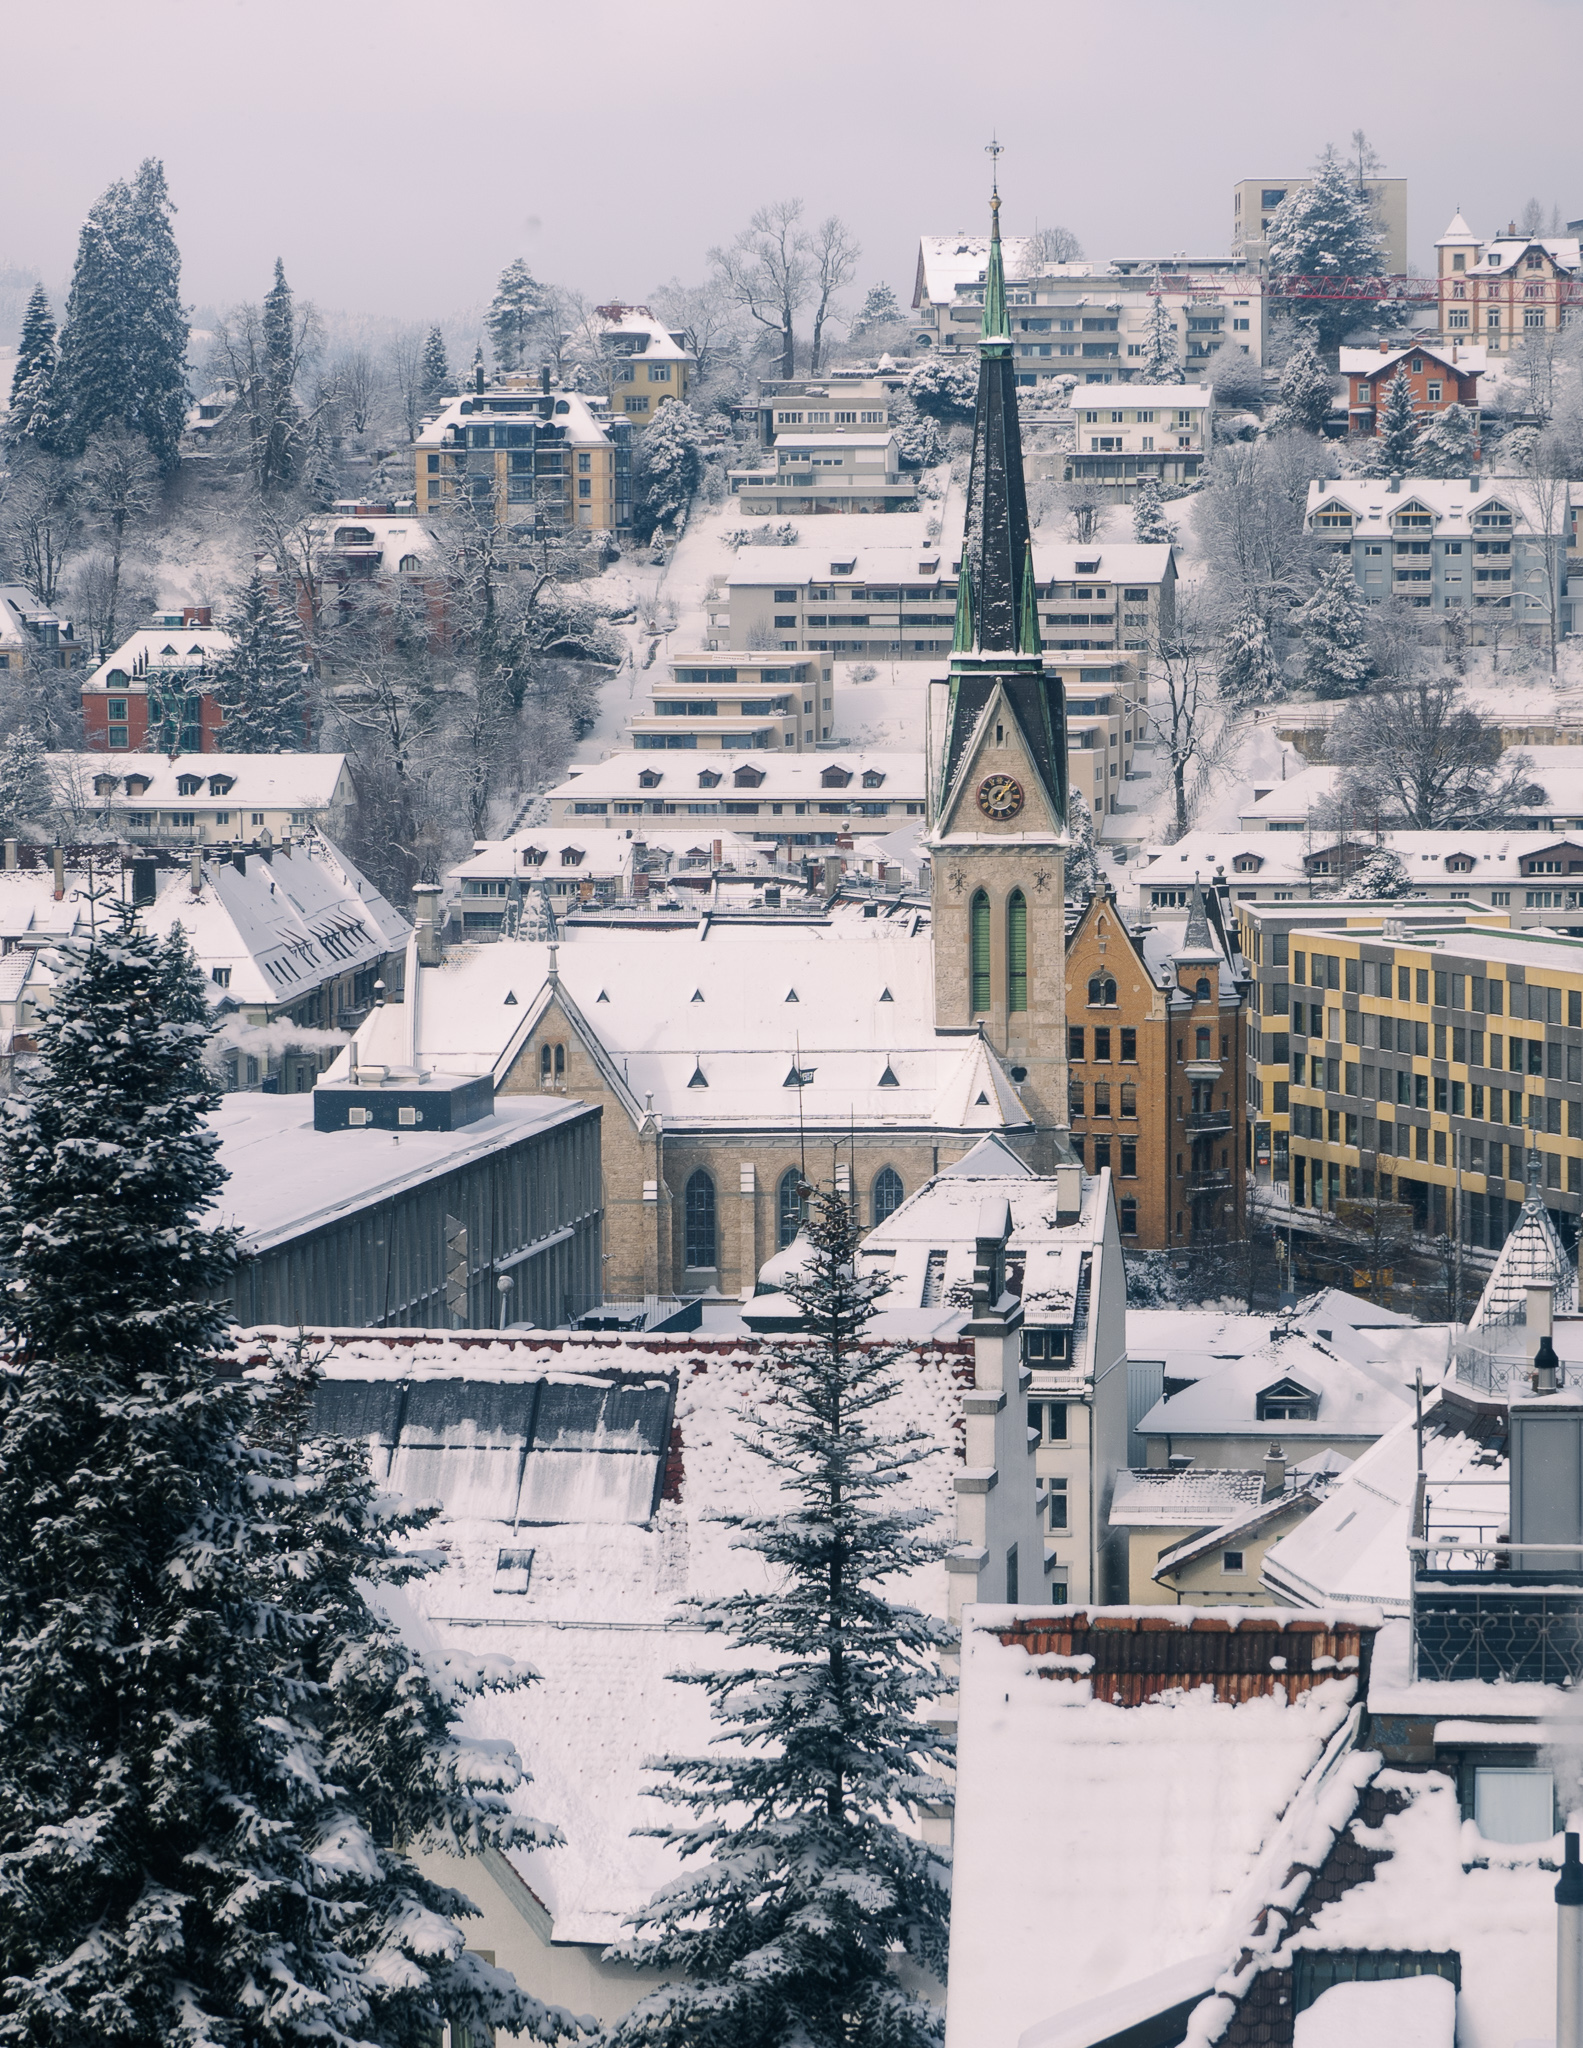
<point>1028,641</point>
<point>962,637</point>
<point>995,327</point>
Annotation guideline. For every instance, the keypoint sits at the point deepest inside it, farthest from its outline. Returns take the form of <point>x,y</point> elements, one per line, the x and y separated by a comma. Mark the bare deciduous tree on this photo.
<point>40,522</point>
<point>405,356</point>
<point>708,318</point>
<point>834,255</point>
<point>356,384</point>
<point>1184,709</point>
<point>769,272</point>
<point>1053,245</point>
<point>1415,757</point>
<point>118,479</point>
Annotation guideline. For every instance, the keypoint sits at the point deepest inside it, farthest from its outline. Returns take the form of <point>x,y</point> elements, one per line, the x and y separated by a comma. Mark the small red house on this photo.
<point>1439,374</point>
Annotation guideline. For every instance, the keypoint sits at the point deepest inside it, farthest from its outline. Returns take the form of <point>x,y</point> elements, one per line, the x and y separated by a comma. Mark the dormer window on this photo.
<point>1247,864</point>
<point>748,778</point>
<point>571,856</point>
<point>136,785</point>
<point>533,856</point>
<point>1414,518</point>
<point>835,778</point>
<point>1086,568</point>
<point>1288,1400</point>
<point>104,785</point>
<point>1460,864</point>
<point>188,785</point>
<point>872,778</point>
<point>221,785</point>
<point>1338,516</point>
<point>649,779</point>
<point>709,778</point>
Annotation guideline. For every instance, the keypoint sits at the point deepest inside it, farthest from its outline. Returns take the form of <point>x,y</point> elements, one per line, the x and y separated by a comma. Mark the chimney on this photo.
<point>544,379</point>
<point>716,852</point>
<point>478,373</point>
<point>239,860</point>
<point>10,856</point>
<point>1068,1193</point>
<point>195,878</point>
<point>1385,347</point>
<point>58,862</point>
<point>1473,480</point>
<point>1393,483</point>
<point>1569,1950</point>
<point>425,905</point>
<point>196,615</point>
<point>1274,1473</point>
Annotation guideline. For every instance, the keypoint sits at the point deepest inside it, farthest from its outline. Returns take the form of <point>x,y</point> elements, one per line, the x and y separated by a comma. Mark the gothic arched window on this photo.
<point>789,1206</point>
<point>978,950</point>
<point>700,1207</point>
<point>1016,951</point>
<point>888,1193</point>
<point>1101,992</point>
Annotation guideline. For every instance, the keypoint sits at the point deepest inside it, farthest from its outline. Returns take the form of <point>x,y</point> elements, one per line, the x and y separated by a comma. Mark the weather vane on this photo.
<point>993,149</point>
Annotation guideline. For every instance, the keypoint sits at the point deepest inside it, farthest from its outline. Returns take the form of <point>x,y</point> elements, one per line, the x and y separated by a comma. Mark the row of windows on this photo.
<point>1016,951</point>
<point>701,1232</point>
<point>1448,991</point>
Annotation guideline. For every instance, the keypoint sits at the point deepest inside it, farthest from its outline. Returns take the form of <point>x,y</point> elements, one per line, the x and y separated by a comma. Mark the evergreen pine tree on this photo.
<point>519,306</point>
<point>204,1736</point>
<point>880,310</point>
<point>1305,390</point>
<point>667,467</point>
<point>259,681</point>
<point>1335,627</point>
<point>31,416</point>
<point>1382,873</point>
<point>27,795</point>
<point>943,390</point>
<point>1448,443</point>
<point>1084,875</point>
<point>1249,674</point>
<point>1150,526</point>
<point>1162,360</point>
<point>435,374</point>
<point>1327,228</point>
<point>788,1931</point>
<point>1394,449</point>
<point>279,416</point>
<point>123,344</point>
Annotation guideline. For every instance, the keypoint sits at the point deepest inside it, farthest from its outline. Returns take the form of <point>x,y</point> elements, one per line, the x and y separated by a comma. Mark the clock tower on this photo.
<point>997,767</point>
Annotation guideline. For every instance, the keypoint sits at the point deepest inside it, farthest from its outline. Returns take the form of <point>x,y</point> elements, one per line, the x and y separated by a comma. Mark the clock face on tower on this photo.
<point>1000,796</point>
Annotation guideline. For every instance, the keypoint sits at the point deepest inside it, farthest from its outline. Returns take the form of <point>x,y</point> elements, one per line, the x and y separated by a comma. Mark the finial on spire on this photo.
<point>993,149</point>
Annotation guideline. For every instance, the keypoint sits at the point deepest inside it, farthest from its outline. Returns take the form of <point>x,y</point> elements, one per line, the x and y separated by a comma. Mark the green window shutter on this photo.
<point>978,946</point>
<point>1017,951</point>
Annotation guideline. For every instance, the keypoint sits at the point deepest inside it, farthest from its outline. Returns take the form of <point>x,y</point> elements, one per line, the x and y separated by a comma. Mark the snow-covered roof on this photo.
<point>1451,503</point>
<point>1457,231</point>
<point>1195,1341</point>
<point>1132,1834</point>
<point>265,782</point>
<point>1463,359</point>
<point>703,1020</point>
<point>583,421</point>
<point>392,538</point>
<point>283,1177</point>
<point>1503,253</point>
<point>795,777</point>
<point>807,439</point>
<point>1158,1498</point>
<point>947,262</point>
<point>1532,1256</point>
<point>279,928</point>
<point>1357,1397</point>
<point>1053,562</point>
<point>1130,396</point>
<point>637,323</point>
<point>21,613</point>
<point>1301,1493</point>
<point>159,647</point>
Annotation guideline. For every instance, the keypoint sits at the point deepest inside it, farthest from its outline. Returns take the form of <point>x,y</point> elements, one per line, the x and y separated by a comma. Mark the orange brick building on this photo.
<point>1157,1087</point>
<point>1439,376</point>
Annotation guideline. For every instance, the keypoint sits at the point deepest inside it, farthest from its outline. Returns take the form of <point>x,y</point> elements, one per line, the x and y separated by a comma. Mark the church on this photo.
<point>745,1053</point>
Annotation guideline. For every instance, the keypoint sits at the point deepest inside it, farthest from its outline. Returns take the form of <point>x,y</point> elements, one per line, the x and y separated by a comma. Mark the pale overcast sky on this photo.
<point>397,154</point>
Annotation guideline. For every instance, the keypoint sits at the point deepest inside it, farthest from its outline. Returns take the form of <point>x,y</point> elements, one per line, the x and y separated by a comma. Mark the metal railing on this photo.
<point>1488,1621</point>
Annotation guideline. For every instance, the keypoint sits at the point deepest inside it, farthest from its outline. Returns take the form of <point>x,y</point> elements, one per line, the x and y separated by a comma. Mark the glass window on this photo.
<point>789,1206</point>
<point>700,1220</point>
<point>888,1193</point>
<point>1512,1804</point>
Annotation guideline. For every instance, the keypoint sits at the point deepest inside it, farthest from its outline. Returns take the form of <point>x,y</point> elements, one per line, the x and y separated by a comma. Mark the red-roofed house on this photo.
<point>1443,375</point>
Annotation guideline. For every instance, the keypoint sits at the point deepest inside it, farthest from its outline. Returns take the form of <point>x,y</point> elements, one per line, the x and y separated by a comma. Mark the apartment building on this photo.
<point>1417,1059</point>
<point>1488,546</point>
<point>1104,721</point>
<point>1498,293</point>
<point>1154,432</point>
<point>1437,378</point>
<point>155,691</point>
<point>1529,878</point>
<point>1085,320</point>
<point>1155,1049</point>
<point>736,701</point>
<point>899,604</point>
<point>542,459</point>
<point>795,798</point>
<point>815,468</point>
<point>866,399</point>
<point>645,362</point>
<point>1254,202</point>
<point>200,799</point>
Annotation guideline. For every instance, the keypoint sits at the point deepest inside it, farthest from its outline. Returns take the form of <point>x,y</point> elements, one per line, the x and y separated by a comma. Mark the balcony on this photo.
<point>1208,1123</point>
<point>1203,1070</point>
<point>1212,1180</point>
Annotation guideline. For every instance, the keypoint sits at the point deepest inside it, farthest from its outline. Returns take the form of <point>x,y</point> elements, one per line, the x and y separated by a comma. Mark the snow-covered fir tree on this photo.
<point>879,311</point>
<point>31,415</point>
<point>944,391</point>
<point>259,681</point>
<point>27,795</point>
<point>1249,674</point>
<point>1084,875</point>
<point>1150,526</point>
<point>1381,873</point>
<point>1393,451</point>
<point>207,1740</point>
<point>123,344</point>
<point>1326,228</point>
<point>1162,358</point>
<point>1335,627</point>
<point>667,466</point>
<point>519,307</point>
<point>807,1891</point>
<point>280,417</point>
<point>1448,443</point>
<point>434,375</point>
<point>1306,389</point>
